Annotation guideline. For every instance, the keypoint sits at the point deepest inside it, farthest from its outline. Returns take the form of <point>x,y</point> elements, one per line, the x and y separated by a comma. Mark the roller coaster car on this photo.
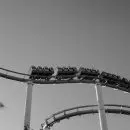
<point>90,74</point>
<point>42,73</point>
<point>66,73</point>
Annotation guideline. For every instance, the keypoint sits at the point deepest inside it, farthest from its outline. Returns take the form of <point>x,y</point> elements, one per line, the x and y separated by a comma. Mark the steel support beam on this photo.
<point>28,106</point>
<point>101,109</point>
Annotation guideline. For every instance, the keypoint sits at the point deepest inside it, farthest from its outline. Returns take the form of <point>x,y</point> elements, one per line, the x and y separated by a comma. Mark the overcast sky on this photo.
<point>56,33</point>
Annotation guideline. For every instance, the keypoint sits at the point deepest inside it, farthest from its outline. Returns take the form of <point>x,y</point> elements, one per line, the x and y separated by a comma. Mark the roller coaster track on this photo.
<point>82,110</point>
<point>22,77</point>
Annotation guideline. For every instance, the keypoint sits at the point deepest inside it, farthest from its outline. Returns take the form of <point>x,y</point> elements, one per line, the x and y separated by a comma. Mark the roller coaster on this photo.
<point>63,75</point>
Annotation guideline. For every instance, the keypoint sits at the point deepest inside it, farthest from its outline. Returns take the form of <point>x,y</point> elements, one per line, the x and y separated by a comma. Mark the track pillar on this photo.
<point>101,109</point>
<point>28,106</point>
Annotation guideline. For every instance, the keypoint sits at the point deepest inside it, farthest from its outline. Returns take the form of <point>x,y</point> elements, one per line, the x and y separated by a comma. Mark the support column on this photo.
<point>28,106</point>
<point>101,109</point>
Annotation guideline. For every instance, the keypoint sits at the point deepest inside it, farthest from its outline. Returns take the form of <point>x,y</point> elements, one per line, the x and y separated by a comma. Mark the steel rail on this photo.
<point>87,106</point>
<point>68,113</point>
<point>7,70</point>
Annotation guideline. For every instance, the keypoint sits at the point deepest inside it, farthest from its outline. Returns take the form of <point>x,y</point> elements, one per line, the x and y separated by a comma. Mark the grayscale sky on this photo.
<point>56,33</point>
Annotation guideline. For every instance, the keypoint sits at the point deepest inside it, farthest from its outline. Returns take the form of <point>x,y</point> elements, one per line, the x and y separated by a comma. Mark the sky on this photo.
<point>85,33</point>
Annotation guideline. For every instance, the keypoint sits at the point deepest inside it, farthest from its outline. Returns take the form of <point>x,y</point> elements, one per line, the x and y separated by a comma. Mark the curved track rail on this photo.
<point>82,110</point>
<point>22,77</point>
